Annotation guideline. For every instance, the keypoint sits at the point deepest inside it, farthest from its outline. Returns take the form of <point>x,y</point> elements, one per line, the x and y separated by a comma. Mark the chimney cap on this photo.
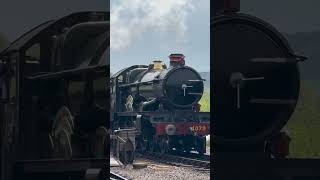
<point>176,57</point>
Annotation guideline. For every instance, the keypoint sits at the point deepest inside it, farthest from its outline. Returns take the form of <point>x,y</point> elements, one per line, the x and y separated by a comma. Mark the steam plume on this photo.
<point>130,19</point>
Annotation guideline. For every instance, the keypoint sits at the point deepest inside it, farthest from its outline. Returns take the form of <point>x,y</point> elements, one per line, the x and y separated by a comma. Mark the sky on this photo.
<point>19,16</point>
<point>142,31</point>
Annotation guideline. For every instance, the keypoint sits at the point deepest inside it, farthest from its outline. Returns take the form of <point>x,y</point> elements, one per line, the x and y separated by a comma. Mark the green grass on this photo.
<point>205,101</point>
<point>304,126</point>
<point>205,107</point>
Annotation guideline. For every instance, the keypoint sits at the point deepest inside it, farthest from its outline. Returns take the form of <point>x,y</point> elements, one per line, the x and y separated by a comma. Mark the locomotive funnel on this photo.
<point>176,60</point>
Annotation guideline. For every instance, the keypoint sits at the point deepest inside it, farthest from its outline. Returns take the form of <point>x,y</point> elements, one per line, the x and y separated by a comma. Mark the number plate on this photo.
<point>199,128</point>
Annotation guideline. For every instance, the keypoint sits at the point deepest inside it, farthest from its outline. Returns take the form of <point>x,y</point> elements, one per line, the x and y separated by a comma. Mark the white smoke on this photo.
<point>130,19</point>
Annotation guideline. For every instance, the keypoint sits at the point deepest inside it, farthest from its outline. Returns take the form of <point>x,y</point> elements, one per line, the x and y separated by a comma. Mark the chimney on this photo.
<point>176,60</point>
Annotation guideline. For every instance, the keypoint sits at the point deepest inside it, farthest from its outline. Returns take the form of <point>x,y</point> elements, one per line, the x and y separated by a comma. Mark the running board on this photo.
<point>294,59</point>
<point>273,101</point>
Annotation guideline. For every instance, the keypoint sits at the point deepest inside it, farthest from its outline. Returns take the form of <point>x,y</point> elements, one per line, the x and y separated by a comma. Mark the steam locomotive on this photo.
<point>255,82</point>
<point>161,104</point>
<point>53,95</point>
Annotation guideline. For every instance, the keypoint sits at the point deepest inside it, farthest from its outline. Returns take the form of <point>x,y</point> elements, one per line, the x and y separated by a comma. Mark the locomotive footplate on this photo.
<point>86,168</point>
<point>235,165</point>
<point>188,122</point>
<point>166,116</point>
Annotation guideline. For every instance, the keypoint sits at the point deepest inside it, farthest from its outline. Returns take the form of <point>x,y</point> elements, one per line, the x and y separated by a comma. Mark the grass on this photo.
<point>304,126</point>
<point>205,101</point>
<point>205,107</point>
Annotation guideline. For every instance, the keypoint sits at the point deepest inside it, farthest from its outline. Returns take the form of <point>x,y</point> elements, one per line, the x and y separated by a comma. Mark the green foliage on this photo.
<point>205,101</point>
<point>304,126</point>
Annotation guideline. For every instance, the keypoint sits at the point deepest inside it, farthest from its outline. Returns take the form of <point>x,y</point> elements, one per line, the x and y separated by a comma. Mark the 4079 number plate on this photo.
<point>198,128</point>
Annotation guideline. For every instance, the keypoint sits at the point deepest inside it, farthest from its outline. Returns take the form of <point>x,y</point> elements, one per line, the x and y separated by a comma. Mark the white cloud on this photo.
<point>130,19</point>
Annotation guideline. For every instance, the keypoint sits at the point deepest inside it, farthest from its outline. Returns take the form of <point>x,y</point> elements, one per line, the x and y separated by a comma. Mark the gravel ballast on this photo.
<point>160,171</point>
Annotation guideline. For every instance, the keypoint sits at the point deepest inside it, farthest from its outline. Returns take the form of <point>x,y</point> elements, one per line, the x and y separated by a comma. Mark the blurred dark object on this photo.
<point>225,6</point>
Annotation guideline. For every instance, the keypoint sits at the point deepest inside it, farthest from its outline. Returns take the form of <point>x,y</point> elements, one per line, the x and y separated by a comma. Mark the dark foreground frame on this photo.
<point>253,166</point>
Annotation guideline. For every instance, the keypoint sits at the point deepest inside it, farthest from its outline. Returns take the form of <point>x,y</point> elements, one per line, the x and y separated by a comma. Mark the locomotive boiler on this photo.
<point>54,100</point>
<point>157,87</point>
<point>162,104</point>
<point>255,80</point>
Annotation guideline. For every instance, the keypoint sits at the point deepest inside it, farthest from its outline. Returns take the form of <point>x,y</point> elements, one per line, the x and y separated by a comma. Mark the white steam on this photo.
<point>130,19</point>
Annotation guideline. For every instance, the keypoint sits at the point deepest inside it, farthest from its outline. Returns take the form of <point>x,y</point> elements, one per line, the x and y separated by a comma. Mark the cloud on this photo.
<point>130,19</point>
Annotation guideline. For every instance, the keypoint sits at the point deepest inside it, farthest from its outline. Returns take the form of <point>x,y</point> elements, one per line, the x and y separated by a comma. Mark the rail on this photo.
<point>176,160</point>
<point>114,176</point>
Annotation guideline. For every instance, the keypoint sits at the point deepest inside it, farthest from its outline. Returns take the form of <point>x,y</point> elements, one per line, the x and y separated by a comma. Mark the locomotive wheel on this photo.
<point>201,145</point>
<point>126,154</point>
<point>126,157</point>
<point>152,144</point>
<point>99,142</point>
<point>142,144</point>
<point>62,147</point>
<point>61,133</point>
<point>164,145</point>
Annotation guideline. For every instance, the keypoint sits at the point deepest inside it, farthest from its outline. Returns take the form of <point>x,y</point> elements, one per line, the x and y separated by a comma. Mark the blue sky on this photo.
<point>142,31</point>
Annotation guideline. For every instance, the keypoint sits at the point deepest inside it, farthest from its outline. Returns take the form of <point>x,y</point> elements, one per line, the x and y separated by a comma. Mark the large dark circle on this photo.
<point>175,79</point>
<point>235,39</point>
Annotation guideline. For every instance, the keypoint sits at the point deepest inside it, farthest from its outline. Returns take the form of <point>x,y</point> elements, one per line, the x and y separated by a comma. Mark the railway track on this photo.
<point>114,176</point>
<point>204,157</point>
<point>176,160</point>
